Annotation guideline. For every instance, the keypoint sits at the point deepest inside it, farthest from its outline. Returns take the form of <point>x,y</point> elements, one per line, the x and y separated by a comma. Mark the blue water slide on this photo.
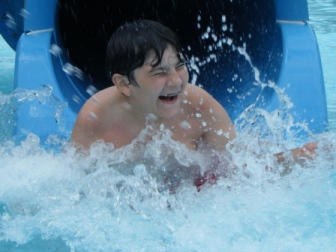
<point>60,47</point>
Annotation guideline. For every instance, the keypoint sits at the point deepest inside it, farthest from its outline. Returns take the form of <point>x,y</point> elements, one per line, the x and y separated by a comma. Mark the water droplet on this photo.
<point>10,22</point>
<point>161,127</point>
<point>55,50</point>
<point>229,41</point>
<point>24,13</point>
<point>95,100</point>
<point>127,106</point>
<point>93,116</point>
<point>205,35</point>
<point>151,117</point>
<point>91,90</point>
<point>185,125</point>
<point>72,70</point>
<point>77,99</point>
<point>68,68</point>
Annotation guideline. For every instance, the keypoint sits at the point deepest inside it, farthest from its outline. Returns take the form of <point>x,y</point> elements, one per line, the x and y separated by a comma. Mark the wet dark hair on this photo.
<point>131,43</point>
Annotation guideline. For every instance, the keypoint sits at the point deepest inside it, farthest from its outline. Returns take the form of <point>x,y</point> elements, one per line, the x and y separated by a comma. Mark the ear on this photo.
<point>122,84</point>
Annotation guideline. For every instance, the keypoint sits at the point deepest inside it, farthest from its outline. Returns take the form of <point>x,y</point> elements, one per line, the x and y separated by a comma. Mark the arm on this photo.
<point>219,129</point>
<point>308,151</point>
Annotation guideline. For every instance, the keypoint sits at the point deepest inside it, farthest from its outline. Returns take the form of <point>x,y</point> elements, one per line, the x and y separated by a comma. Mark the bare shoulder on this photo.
<point>201,99</point>
<point>89,120</point>
<point>97,106</point>
<point>218,129</point>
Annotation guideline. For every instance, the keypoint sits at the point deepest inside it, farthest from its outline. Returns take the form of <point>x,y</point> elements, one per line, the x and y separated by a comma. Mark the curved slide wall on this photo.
<point>60,48</point>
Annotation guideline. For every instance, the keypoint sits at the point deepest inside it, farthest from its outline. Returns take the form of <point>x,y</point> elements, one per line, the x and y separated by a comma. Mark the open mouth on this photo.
<point>169,97</point>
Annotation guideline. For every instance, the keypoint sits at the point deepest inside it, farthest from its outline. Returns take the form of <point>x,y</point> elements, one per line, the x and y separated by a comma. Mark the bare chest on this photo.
<point>120,133</point>
<point>124,133</point>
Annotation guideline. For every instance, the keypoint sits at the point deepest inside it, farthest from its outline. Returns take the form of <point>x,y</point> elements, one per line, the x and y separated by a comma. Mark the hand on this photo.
<point>299,155</point>
<point>308,151</point>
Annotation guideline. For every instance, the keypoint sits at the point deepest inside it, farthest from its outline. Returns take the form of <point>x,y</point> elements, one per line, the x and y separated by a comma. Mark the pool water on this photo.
<point>63,201</point>
<point>322,15</point>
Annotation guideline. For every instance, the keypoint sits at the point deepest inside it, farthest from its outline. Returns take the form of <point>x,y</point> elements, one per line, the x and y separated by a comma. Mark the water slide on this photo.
<point>238,51</point>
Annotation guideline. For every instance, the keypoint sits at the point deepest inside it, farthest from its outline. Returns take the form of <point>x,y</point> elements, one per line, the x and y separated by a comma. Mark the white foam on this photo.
<point>98,202</point>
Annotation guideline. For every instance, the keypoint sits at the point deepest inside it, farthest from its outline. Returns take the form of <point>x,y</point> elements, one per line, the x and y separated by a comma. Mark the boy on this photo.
<point>150,79</point>
<point>151,84</point>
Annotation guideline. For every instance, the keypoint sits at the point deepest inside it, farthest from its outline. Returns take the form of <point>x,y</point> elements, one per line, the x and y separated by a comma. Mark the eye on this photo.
<point>161,72</point>
<point>181,65</point>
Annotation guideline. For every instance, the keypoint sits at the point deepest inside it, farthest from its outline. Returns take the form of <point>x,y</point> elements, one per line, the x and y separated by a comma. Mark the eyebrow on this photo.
<point>157,68</point>
<point>163,68</point>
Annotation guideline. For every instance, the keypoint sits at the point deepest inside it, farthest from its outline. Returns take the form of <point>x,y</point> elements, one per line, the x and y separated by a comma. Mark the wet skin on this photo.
<point>161,95</point>
<point>163,98</point>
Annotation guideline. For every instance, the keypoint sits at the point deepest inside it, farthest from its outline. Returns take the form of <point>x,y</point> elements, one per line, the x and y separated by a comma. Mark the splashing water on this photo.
<point>99,202</point>
<point>9,103</point>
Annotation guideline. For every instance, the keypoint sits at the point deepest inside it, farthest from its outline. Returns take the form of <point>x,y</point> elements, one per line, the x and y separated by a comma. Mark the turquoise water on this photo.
<point>323,19</point>
<point>66,202</point>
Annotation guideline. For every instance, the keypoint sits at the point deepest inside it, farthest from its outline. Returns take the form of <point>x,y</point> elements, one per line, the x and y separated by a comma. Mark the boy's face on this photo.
<point>161,88</point>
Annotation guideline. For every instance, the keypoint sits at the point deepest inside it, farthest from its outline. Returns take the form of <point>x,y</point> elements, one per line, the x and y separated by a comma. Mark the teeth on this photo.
<point>170,95</point>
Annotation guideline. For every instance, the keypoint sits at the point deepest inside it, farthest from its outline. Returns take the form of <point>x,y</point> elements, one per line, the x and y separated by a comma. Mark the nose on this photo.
<point>174,79</point>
